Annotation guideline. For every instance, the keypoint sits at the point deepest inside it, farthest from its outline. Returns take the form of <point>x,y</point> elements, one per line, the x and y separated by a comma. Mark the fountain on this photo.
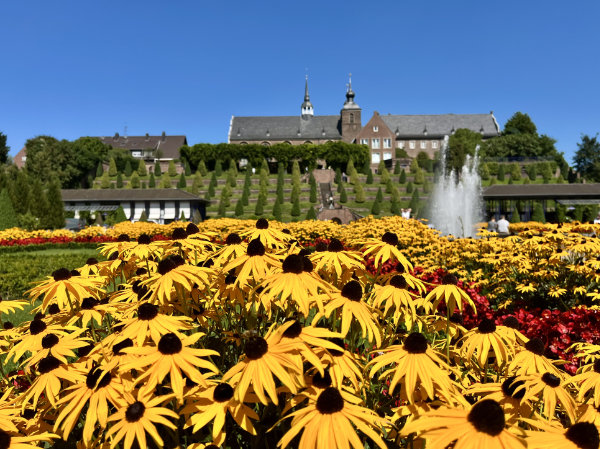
<point>456,203</point>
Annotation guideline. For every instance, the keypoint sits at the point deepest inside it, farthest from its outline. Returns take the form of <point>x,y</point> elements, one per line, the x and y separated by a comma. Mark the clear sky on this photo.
<point>76,68</point>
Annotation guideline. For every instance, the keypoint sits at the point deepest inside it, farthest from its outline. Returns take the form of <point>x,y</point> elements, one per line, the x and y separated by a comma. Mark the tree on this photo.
<point>55,215</point>
<point>402,177</point>
<point>20,193</point>
<point>519,123</point>
<point>515,171</point>
<point>462,143</point>
<point>343,196</point>
<point>311,214</point>
<point>538,213</point>
<point>99,170</point>
<point>415,203</point>
<point>385,176</point>
<point>4,149</point>
<point>112,168</point>
<point>172,170</point>
<point>376,207</point>
<point>532,172</point>
<point>142,170</point>
<point>277,210</point>
<point>587,158</point>
<point>128,169</point>
<point>219,168</point>
<point>409,187</point>
<point>119,180</point>
<point>397,169</point>
<point>196,183</point>
<point>157,170</point>
<point>143,216</point>
<point>260,204</point>
<point>165,181</point>
<point>239,208</point>
<point>105,181</point>
<point>501,172</point>
<point>119,215</point>
<point>8,217</point>
<point>422,158</point>
<point>152,181</point>
<point>134,181</point>
<point>338,176</point>
<point>313,189</point>
<point>484,172</point>
<point>516,215</point>
<point>182,183</point>
<point>360,193</point>
<point>419,177</point>
<point>182,217</point>
<point>202,168</point>
<point>186,168</point>
<point>369,176</point>
<point>379,195</point>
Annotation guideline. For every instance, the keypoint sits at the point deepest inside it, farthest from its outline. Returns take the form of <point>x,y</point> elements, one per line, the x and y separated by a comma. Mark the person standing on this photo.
<point>503,225</point>
<point>492,225</point>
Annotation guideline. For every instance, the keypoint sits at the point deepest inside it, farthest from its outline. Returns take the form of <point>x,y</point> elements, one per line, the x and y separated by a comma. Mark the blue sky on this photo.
<point>75,68</point>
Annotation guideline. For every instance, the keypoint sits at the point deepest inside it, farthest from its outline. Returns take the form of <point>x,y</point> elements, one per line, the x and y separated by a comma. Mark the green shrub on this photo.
<point>239,208</point>
<point>134,180</point>
<point>369,177</point>
<point>376,208</point>
<point>360,193</point>
<point>419,177</point>
<point>296,208</point>
<point>119,180</point>
<point>112,168</point>
<point>343,196</point>
<point>501,172</point>
<point>379,196</point>
<point>409,187</point>
<point>172,170</point>
<point>218,168</point>
<point>277,210</point>
<point>396,168</point>
<point>538,213</point>
<point>128,169</point>
<point>311,214</point>
<point>152,181</point>
<point>142,170</point>
<point>313,189</point>
<point>165,181</point>
<point>182,183</point>
<point>8,217</point>
<point>402,177</point>
<point>202,168</point>
<point>157,170</point>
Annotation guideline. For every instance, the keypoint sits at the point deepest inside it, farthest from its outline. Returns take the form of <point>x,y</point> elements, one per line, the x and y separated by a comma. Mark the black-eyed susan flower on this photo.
<point>270,237</point>
<point>342,364</point>
<point>550,391</point>
<point>214,404</point>
<point>589,383</point>
<point>233,249</point>
<point>14,440</point>
<point>59,346</point>
<point>338,264</point>
<point>349,302</point>
<point>483,426</point>
<point>508,393</point>
<point>328,421</point>
<point>138,416</point>
<point>48,380</point>
<point>254,266</point>
<point>297,284</point>
<point>478,342</point>
<point>66,290</point>
<point>530,359</point>
<point>261,364</point>
<point>581,435</point>
<point>417,368</point>
<point>149,322</point>
<point>99,390</point>
<point>173,355</point>
<point>396,297</point>
<point>451,293</point>
<point>385,250</point>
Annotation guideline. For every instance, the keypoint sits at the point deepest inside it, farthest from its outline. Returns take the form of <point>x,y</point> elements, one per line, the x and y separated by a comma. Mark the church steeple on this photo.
<point>349,103</point>
<point>350,115</point>
<point>307,107</point>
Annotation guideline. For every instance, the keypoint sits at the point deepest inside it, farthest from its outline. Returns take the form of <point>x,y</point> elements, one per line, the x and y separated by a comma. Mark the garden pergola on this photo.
<point>501,199</point>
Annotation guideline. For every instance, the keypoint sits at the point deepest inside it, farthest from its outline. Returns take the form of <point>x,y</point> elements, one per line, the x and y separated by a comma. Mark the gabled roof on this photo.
<point>285,128</point>
<point>542,191</point>
<point>100,195</point>
<point>168,145</point>
<point>438,126</point>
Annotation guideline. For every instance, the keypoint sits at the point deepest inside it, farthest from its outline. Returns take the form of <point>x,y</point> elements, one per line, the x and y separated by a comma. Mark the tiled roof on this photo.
<point>418,126</point>
<point>547,191</point>
<point>285,128</point>
<point>127,195</point>
<point>168,145</point>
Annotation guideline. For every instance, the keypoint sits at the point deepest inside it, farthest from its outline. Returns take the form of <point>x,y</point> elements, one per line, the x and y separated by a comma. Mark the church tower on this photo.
<point>307,107</point>
<point>350,116</point>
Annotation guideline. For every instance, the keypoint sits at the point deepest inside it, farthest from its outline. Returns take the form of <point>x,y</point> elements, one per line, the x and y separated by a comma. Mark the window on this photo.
<point>375,158</point>
<point>411,145</point>
<point>399,144</point>
<point>375,144</point>
<point>364,141</point>
<point>434,144</point>
<point>387,143</point>
<point>423,144</point>
<point>375,129</point>
<point>387,155</point>
<point>136,153</point>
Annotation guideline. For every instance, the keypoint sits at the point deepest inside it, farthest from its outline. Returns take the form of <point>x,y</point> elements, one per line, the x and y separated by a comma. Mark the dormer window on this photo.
<point>376,129</point>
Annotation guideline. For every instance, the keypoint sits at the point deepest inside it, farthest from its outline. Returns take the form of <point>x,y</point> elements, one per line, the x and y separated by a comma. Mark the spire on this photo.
<point>349,103</point>
<point>307,107</point>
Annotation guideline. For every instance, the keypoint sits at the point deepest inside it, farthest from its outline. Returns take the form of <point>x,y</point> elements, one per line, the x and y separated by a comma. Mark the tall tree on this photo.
<point>4,149</point>
<point>520,123</point>
<point>587,158</point>
<point>8,218</point>
<point>55,215</point>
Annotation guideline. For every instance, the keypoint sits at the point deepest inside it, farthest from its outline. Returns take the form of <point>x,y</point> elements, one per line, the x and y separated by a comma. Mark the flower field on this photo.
<point>257,334</point>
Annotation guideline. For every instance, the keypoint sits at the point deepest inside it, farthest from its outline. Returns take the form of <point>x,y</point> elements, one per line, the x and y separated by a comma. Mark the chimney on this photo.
<point>147,137</point>
<point>163,136</point>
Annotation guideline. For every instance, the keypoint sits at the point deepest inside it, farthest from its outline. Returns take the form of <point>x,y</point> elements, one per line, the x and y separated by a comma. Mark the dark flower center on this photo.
<point>7,325</point>
<point>170,344</point>
<point>89,303</point>
<point>457,318</point>
<point>123,238</point>
<point>164,266</point>
<point>49,341</point>
<point>207,263</point>
<point>509,386</point>
<point>233,239</point>
<point>135,412</point>
<point>293,331</point>
<point>415,343</point>
<point>82,352</point>
<point>390,238</point>
<point>135,287</point>
<point>255,248</point>
<point>191,228</point>
<point>48,364</point>
<point>142,292</point>
<point>28,413</point>
<point>178,234</point>
<point>38,316</point>
<point>551,380</point>
<point>53,309</point>
<point>140,271</point>
<point>4,439</point>
<point>230,278</point>
<point>114,255</point>
<point>488,417</point>
<point>512,322</point>
<point>62,274</point>
<point>335,246</point>
<point>255,348</point>
<point>91,261</point>
<point>400,268</point>
<point>75,273</point>
<point>323,381</point>
<point>584,435</point>
<point>144,239</point>
<point>597,366</point>
<point>147,311</point>
<point>330,401</point>
<point>92,378</point>
<point>449,279</point>
<point>262,223</point>
<point>104,380</point>
<point>486,326</point>
<point>37,326</point>
<point>320,247</point>
<point>178,260</point>
<point>223,392</point>
<point>536,346</point>
<point>398,282</point>
<point>293,264</point>
<point>339,342</point>
<point>307,265</point>
<point>286,231</point>
<point>352,290</point>
<point>127,343</point>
